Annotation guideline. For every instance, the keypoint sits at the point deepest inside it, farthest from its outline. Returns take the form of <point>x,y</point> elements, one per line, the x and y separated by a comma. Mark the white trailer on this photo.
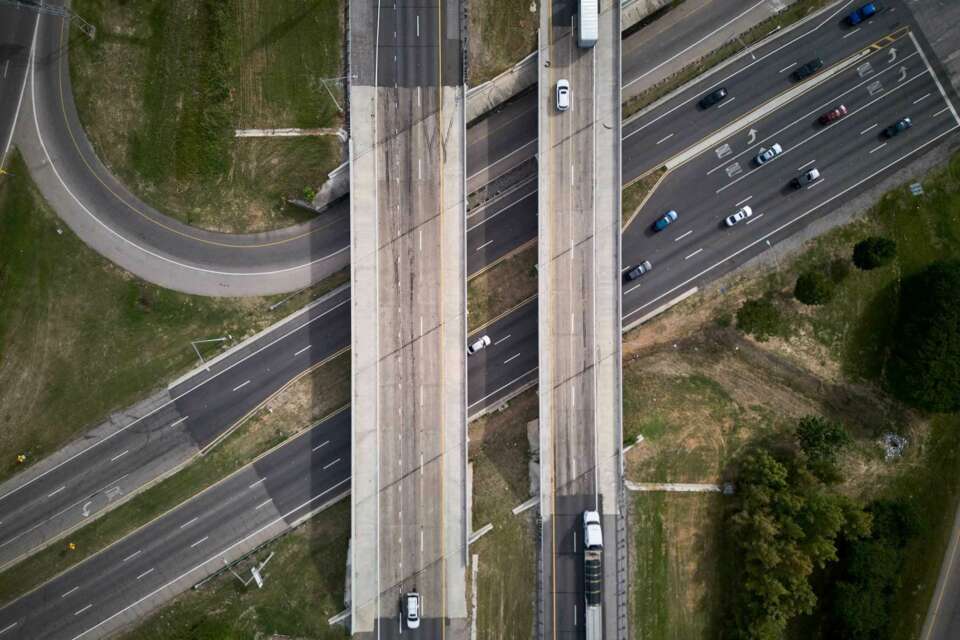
<point>587,23</point>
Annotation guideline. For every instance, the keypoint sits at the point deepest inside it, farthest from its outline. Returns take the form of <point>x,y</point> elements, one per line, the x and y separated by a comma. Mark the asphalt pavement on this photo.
<point>791,210</point>
<point>16,35</point>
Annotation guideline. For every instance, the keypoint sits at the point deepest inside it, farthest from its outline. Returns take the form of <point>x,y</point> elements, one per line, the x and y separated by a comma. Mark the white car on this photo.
<point>411,605</point>
<point>563,95</point>
<point>592,533</point>
<point>766,155</point>
<point>744,213</point>
<point>480,343</point>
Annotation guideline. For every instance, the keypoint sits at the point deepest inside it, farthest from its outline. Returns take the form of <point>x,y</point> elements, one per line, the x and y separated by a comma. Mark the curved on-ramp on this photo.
<point>133,235</point>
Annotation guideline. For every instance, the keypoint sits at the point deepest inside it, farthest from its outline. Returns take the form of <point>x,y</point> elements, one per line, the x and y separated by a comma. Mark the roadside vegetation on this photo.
<point>506,579</point>
<point>502,287</point>
<point>304,579</point>
<point>795,12</point>
<point>636,193</point>
<point>834,415</point>
<point>502,33</point>
<point>311,398</point>
<point>80,338</point>
<point>165,83</point>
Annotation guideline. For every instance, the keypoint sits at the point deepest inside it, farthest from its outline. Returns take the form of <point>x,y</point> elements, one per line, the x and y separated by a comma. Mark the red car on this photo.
<point>834,114</point>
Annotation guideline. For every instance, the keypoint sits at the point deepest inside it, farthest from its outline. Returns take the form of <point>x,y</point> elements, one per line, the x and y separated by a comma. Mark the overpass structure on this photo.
<point>579,307</point>
<point>408,236</point>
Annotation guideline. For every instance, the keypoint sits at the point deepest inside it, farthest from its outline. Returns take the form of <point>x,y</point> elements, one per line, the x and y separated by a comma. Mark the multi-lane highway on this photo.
<point>16,33</point>
<point>511,359</point>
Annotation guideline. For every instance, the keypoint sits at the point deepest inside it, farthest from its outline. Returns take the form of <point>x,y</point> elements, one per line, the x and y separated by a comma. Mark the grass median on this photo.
<point>310,398</point>
<point>502,32</point>
<point>80,338</point>
<point>165,83</point>
<point>502,287</point>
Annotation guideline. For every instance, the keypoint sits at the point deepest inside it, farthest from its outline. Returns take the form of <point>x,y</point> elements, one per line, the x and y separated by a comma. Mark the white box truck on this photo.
<point>593,575</point>
<point>587,23</point>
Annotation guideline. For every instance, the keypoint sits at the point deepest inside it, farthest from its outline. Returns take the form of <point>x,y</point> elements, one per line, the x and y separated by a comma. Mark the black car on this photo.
<point>900,125</point>
<point>713,98</point>
<point>808,69</point>
<point>637,270</point>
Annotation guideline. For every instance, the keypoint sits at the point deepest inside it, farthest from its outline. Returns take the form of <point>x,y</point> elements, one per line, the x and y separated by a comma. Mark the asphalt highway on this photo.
<point>16,34</point>
<point>848,171</point>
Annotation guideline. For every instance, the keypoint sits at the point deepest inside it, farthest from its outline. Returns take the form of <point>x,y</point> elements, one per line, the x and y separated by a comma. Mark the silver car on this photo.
<point>744,213</point>
<point>766,155</point>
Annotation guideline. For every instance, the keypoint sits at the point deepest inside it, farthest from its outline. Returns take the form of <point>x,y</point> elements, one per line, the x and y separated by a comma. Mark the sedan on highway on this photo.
<point>713,98</point>
<point>900,125</point>
<point>805,71</point>
<point>637,270</point>
<point>664,221</point>
<point>834,114</point>
<point>481,343</point>
<point>766,155</point>
<point>861,14</point>
<point>809,177</point>
<point>744,213</point>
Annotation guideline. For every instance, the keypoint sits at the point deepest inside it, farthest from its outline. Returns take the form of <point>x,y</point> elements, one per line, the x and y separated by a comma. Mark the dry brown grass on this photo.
<point>502,32</point>
<point>502,287</point>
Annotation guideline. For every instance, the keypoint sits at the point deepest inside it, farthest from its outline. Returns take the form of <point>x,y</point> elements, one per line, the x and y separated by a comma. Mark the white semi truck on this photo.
<point>588,20</point>
<point>593,574</point>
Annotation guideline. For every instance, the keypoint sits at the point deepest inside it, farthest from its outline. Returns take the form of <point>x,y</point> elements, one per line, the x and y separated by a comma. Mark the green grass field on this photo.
<point>80,338</point>
<point>165,83</point>
<point>502,33</point>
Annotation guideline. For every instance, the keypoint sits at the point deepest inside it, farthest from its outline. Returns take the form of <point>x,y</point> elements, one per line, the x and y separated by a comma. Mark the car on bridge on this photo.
<point>411,606</point>
<point>664,221</point>
<point>637,270</point>
<point>563,95</point>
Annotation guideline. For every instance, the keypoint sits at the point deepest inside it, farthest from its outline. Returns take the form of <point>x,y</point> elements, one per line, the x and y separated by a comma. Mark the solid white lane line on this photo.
<point>189,522</point>
<point>681,237</point>
<point>56,491</point>
<point>850,33</point>
<point>6,65</point>
<point>8,627</point>
<point>296,353</point>
<point>786,224</point>
<point>511,358</point>
<point>813,184</point>
<point>756,217</point>
<point>870,128</point>
<point>806,165</point>
<point>82,610</point>
<point>788,67</point>
<point>200,541</point>
<point>321,445</point>
<point>814,135</point>
<point>237,388</point>
<point>145,573</point>
<point>694,253</point>
<point>503,339</point>
<point>818,109</point>
<point>921,98</point>
<point>133,555</point>
<point>69,592</point>
<point>263,504</point>
<point>173,424</point>
<point>119,455</point>
<point>517,150</point>
<point>664,139</point>
<point>253,484</point>
<point>744,201</point>
<point>709,35</point>
<point>877,148</point>
<point>485,244</point>
<point>942,111</point>
<point>328,465</point>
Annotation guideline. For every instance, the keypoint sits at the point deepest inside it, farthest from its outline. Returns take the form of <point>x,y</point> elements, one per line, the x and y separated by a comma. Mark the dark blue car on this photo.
<point>665,220</point>
<point>861,14</point>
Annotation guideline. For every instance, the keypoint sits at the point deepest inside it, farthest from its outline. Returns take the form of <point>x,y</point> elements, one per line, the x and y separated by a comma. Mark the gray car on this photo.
<point>637,270</point>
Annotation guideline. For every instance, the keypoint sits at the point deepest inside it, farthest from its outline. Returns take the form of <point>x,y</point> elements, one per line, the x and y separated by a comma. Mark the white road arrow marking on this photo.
<point>86,508</point>
<point>893,55</point>
<point>903,74</point>
<point>751,136</point>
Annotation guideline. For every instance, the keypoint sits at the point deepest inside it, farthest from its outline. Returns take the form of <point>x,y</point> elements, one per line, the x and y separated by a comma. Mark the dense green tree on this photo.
<point>761,318</point>
<point>821,441</point>
<point>874,252</point>
<point>924,367</point>
<point>785,526</point>
<point>813,287</point>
